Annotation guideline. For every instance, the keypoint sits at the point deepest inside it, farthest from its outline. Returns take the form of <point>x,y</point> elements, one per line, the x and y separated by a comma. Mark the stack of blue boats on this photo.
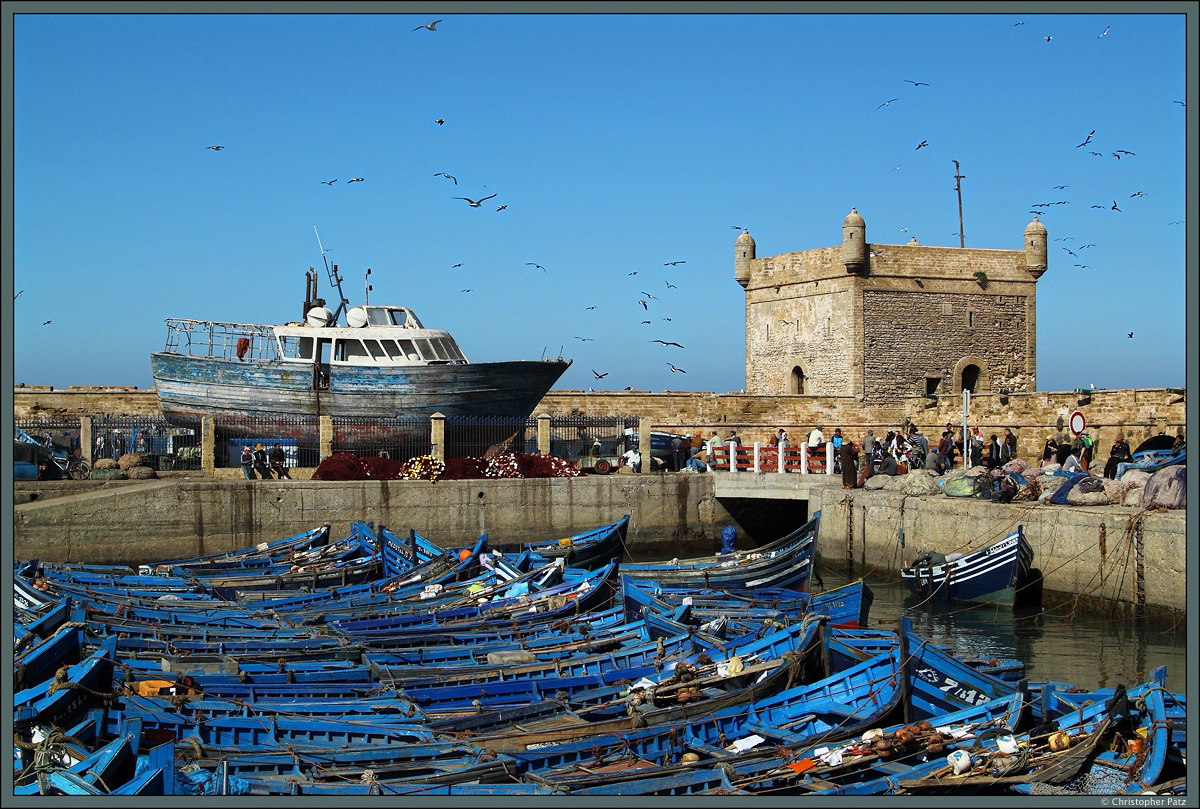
<point>381,663</point>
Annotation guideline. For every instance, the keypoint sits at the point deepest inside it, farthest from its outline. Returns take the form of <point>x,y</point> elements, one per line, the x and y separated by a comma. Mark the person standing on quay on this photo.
<point>278,459</point>
<point>848,455</point>
<point>247,463</point>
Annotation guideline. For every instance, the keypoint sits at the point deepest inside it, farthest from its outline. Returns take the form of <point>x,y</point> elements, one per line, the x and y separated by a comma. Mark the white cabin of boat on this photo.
<point>374,336</point>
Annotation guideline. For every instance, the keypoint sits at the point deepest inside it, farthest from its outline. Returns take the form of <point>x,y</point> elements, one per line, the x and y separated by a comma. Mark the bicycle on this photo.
<point>73,466</point>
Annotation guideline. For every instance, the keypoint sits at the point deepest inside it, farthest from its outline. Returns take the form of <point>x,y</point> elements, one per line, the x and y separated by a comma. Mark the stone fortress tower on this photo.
<point>879,322</point>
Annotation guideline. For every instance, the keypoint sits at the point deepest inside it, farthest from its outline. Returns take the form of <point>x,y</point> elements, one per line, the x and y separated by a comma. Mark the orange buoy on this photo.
<point>464,555</point>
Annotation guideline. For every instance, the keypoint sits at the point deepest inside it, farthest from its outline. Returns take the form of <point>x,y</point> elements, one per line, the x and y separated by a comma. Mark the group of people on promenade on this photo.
<point>257,462</point>
<point>899,451</point>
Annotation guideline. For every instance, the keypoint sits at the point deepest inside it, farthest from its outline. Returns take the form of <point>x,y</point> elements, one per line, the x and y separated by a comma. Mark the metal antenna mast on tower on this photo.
<point>958,188</point>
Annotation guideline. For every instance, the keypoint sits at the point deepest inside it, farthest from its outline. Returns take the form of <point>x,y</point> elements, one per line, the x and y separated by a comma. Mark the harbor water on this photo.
<point>1063,643</point>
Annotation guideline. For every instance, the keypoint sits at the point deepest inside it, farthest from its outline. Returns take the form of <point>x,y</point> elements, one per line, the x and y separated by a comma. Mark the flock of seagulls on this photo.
<point>643,302</point>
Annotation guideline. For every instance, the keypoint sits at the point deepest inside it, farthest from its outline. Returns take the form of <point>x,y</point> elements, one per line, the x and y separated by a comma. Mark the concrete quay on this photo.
<point>1132,557</point>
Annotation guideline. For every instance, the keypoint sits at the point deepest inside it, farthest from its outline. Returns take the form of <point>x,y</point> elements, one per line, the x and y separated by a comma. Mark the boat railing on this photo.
<point>228,341</point>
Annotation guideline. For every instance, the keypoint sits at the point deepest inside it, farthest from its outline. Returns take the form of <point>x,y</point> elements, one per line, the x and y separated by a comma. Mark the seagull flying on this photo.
<point>1135,194</point>
<point>904,230</point>
<point>651,297</point>
<point>674,369</point>
<point>599,376</point>
<point>355,180</point>
<point>917,83</point>
<point>328,182</point>
<point>788,322</point>
<point>1060,187</point>
<point>1105,31</point>
<point>1088,139</point>
<point>475,203</point>
<point>645,322</point>
<point>216,148</point>
<point>674,263</point>
<point>18,294</point>
<point>1084,266</point>
<point>439,121</point>
<point>643,303</point>
<point>633,273</point>
<point>501,207</point>
<point>456,266</point>
<point>737,227</point>
<point>591,307</point>
<point>1086,246</point>
<point>1069,251</point>
<point>466,290</point>
<point>46,323</point>
<point>1114,206</point>
<point>1096,154</point>
<point>431,26</point>
<point>585,339</point>
<point>1131,334</point>
<point>664,342</point>
<point>447,176</point>
<point>1049,38</point>
<point>671,286</point>
<point>539,266</point>
<point>884,104</point>
<point>922,143</point>
<point>1122,151</point>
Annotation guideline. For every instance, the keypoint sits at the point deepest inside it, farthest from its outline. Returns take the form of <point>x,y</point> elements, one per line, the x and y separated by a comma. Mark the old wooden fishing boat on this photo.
<point>380,363</point>
<point>995,574</point>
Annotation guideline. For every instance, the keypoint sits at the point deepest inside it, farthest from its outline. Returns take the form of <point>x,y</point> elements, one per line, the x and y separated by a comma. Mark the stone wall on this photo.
<point>952,330</point>
<point>856,334</point>
<point>1138,413</point>
<point>141,522</point>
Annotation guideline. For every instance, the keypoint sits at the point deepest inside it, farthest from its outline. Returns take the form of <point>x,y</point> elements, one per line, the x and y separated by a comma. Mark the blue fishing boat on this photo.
<point>786,562</point>
<point>995,574</point>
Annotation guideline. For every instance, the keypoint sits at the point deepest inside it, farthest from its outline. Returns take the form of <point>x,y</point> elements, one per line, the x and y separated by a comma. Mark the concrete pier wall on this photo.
<point>1125,555</point>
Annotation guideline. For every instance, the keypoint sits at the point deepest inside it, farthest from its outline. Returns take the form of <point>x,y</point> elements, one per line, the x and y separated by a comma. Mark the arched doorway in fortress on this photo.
<point>796,380</point>
<point>971,374</point>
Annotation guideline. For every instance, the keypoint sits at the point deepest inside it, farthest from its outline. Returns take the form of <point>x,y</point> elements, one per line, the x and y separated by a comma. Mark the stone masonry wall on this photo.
<point>986,330</point>
<point>1137,413</point>
<point>801,312</point>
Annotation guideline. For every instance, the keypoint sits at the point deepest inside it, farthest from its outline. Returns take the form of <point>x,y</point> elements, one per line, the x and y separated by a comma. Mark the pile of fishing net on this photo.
<point>346,466</point>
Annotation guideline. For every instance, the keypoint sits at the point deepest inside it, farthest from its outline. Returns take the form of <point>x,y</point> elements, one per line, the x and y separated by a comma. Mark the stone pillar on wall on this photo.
<point>644,443</point>
<point>543,434</point>
<point>208,447</point>
<point>85,439</point>
<point>324,436</point>
<point>437,436</point>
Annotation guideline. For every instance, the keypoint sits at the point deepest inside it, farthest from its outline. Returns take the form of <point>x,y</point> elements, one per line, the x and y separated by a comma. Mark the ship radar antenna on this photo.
<point>367,291</point>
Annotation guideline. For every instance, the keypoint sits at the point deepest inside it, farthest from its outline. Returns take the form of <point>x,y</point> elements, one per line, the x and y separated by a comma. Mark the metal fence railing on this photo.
<point>58,433</point>
<point>574,436</point>
<point>167,446</point>
<point>398,439</point>
<point>486,436</point>
<point>297,436</point>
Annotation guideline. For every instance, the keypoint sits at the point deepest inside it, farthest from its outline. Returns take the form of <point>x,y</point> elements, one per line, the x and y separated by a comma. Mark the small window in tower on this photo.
<point>970,320</point>
<point>932,383</point>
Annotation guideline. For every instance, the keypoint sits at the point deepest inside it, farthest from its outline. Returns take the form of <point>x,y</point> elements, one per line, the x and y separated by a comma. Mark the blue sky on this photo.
<point>618,143</point>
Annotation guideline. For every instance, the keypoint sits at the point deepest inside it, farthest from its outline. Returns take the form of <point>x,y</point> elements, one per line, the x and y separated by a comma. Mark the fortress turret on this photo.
<point>854,243</point>
<point>1035,248</point>
<point>743,254</point>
